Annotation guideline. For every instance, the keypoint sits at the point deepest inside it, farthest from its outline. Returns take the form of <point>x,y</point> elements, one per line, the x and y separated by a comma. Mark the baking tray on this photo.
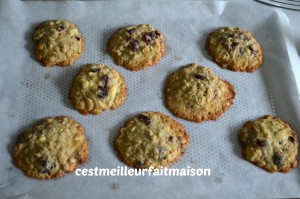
<point>31,91</point>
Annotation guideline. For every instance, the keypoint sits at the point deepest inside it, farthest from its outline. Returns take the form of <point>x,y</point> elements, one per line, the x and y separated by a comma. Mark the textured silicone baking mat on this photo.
<point>30,92</point>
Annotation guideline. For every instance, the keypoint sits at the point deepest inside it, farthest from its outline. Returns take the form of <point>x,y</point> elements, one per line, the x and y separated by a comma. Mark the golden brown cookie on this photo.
<point>151,139</point>
<point>195,93</point>
<point>136,47</point>
<point>58,43</point>
<point>270,143</point>
<point>234,49</point>
<point>96,88</point>
<point>51,148</point>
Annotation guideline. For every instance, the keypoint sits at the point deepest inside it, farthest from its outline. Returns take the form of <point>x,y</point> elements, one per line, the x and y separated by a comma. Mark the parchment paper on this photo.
<point>30,91</point>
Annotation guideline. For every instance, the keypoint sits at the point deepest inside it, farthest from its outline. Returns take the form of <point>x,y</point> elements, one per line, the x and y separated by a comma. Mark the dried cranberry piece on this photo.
<point>78,38</point>
<point>102,92</point>
<point>251,47</point>
<point>171,138</point>
<point>157,33</point>
<point>160,152</point>
<point>148,39</point>
<point>278,159</point>
<point>95,70</point>
<point>292,139</point>
<point>261,143</point>
<point>247,38</point>
<point>228,47</point>
<point>105,80</point>
<point>153,34</point>
<point>61,27</point>
<point>132,30</point>
<point>145,119</point>
<point>200,77</point>
<point>254,53</point>
<point>43,162</point>
<point>129,39</point>
<point>235,44</point>
<point>134,45</point>
<point>46,165</point>
<point>138,164</point>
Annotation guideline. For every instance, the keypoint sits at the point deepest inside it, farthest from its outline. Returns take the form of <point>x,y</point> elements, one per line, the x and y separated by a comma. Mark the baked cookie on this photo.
<point>96,88</point>
<point>234,49</point>
<point>195,93</point>
<point>58,43</point>
<point>269,143</point>
<point>136,47</point>
<point>151,139</point>
<point>51,148</point>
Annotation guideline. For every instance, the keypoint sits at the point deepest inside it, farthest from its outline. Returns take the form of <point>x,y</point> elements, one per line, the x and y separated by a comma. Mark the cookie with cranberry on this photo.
<point>136,47</point>
<point>270,143</point>
<point>196,94</point>
<point>51,148</point>
<point>97,88</point>
<point>151,139</point>
<point>234,49</point>
<point>57,43</point>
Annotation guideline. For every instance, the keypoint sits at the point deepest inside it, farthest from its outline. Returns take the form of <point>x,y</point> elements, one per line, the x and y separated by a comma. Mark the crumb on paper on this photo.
<point>219,179</point>
<point>178,58</point>
<point>114,186</point>
<point>47,76</point>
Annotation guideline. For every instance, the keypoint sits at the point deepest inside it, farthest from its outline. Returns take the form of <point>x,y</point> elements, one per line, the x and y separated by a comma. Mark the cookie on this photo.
<point>234,49</point>
<point>136,47</point>
<point>196,94</point>
<point>96,88</point>
<point>269,143</point>
<point>51,148</point>
<point>57,43</point>
<point>151,139</point>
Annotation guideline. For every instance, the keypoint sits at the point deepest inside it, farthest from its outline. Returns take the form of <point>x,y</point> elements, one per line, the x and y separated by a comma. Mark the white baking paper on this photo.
<point>30,91</point>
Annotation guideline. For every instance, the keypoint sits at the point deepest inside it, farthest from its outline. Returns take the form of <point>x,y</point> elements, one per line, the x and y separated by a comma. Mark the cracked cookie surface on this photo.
<point>53,147</point>
<point>97,88</point>
<point>269,143</point>
<point>234,49</point>
<point>136,47</point>
<point>196,94</point>
<point>151,139</point>
<point>57,43</point>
